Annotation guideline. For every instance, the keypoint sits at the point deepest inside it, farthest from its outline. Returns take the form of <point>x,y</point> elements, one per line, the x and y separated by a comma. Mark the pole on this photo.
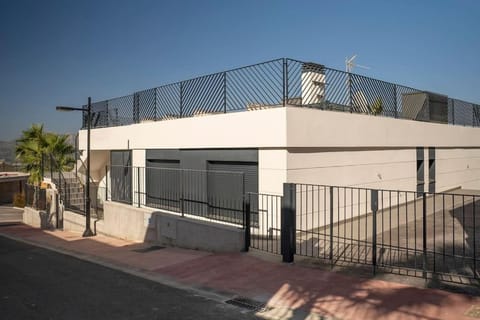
<point>247,221</point>
<point>88,232</point>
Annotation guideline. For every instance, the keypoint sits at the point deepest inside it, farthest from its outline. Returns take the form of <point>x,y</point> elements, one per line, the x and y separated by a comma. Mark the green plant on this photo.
<point>19,200</point>
<point>35,145</point>
<point>377,106</point>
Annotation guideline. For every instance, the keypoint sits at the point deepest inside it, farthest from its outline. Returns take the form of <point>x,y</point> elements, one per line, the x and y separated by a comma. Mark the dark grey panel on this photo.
<point>198,158</point>
<point>163,184</point>
<point>420,153</point>
<point>431,170</point>
<point>121,176</point>
<point>226,190</point>
<point>420,170</point>
<point>206,185</point>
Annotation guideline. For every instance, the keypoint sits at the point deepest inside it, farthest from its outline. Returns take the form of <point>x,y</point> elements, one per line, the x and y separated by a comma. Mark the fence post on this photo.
<point>138,187</point>
<point>285,82</point>
<point>288,215</point>
<point>247,221</point>
<point>424,233</point>
<point>330,256</point>
<point>155,104</point>
<point>181,99</point>
<point>474,242</point>
<point>395,99</point>
<point>106,183</point>
<point>374,207</point>
<point>224,92</point>
<point>453,111</point>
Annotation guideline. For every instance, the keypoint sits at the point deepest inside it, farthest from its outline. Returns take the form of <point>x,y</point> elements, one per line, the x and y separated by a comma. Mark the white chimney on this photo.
<point>313,83</point>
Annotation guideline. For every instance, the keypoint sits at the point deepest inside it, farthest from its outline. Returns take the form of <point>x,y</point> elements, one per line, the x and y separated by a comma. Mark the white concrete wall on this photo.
<point>308,145</point>
<point>272,170</point>
<point>457,168</point>
<point>308,127</point>
<point>323,147</point>
<point>362,167</point>
<point>151,225</point>
<point>260,128</point>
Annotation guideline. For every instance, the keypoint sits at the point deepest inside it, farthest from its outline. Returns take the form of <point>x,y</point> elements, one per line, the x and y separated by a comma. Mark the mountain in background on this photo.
<point>7,151</point>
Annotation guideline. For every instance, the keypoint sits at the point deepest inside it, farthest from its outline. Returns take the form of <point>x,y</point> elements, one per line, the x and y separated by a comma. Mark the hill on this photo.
<point>7,151</point>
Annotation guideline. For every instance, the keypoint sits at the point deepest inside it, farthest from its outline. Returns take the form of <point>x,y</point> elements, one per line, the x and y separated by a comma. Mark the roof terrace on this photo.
<point>278,83</point>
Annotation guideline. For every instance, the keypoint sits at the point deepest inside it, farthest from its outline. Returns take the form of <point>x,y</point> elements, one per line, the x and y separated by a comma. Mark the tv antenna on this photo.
<point>350,64</point>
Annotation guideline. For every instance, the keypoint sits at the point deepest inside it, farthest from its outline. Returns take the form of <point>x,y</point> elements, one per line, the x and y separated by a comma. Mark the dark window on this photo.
<point>121,176</point>
<point>420,171</point>
<point>431,170</point>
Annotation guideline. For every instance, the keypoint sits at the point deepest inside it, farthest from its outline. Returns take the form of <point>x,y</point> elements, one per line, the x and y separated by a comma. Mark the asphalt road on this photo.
<point>10,215</point>
<point>40,284</point>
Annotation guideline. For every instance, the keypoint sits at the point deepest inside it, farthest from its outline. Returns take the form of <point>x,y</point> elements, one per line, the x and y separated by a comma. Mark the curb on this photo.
<point>141,273</point>
<point>270,313</point>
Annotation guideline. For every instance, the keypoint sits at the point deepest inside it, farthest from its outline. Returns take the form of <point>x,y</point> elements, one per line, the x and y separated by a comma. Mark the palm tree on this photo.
<point>58,146</point>
<point>29,150</point>
<point>34,144</point>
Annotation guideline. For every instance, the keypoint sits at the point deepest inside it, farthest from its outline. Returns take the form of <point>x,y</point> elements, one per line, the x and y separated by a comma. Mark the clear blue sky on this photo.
<point>60,52</point>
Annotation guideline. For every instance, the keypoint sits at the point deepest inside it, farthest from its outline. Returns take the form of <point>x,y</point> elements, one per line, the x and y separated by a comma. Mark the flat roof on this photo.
<point>13,176</point>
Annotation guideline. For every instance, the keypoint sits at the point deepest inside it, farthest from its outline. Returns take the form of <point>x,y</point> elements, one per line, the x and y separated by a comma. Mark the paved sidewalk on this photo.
<point>290,291</point>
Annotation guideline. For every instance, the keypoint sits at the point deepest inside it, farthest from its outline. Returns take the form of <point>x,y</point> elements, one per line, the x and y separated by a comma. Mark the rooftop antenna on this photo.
<point>350,64</point>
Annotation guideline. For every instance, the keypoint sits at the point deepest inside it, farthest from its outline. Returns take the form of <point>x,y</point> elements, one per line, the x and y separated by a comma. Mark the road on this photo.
<point>40,284</point>
<point>10,215</point>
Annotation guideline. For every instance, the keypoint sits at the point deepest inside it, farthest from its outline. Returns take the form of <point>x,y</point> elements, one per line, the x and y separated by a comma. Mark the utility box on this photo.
<point>425,106</point>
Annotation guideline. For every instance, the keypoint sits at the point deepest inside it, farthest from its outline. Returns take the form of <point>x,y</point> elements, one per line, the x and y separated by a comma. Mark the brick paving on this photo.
<point>290,291</point>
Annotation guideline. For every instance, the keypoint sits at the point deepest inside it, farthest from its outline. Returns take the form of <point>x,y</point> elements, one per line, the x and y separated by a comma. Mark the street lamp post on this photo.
<point>88,231</point>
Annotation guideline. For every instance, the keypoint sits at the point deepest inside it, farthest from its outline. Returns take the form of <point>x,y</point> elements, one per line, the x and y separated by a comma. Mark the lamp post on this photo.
<point>88,231</point>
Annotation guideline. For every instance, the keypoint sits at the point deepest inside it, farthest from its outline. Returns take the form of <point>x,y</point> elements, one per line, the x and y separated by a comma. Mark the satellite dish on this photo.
<point>350,64</point>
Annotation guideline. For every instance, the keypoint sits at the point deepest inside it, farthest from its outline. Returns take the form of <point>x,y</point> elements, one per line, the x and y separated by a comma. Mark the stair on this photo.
<point>71,192</point>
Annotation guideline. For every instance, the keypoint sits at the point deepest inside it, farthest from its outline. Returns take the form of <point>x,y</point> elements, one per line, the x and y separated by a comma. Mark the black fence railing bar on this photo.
<point>35,197</point>
<point>282,82</point>
<point>210,195</point>
<point>264,212</point>
<point>427,234</point>
<point>71,187</point>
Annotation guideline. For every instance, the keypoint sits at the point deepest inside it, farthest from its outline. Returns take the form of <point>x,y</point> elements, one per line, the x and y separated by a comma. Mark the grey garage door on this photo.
<point>163,184</point>
<point>225,190</point>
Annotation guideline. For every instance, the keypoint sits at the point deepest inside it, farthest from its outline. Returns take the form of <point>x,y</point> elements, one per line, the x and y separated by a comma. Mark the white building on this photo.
<point>283,121</point>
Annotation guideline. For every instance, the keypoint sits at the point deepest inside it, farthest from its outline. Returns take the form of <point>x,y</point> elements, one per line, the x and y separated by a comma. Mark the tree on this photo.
<point>35,145</point>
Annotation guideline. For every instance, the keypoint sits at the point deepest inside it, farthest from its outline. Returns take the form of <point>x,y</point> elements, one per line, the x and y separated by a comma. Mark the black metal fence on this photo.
<point>430,235</point>
<point>210,195</point>
<point>71,188</point>
<point>263,217</point>
<point>35,197</point>
<point>282,82</point>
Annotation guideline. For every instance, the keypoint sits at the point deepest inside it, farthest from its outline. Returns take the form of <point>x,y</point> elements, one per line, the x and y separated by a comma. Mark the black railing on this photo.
<point>282,82</point>
<point>426,234</point>
<point>263,212</point>
<point>35,197</point>
<point>210,195</point>
<point>70,187</point>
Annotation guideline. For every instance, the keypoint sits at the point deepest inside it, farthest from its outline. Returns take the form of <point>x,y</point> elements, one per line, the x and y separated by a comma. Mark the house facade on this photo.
<point>273,123</point>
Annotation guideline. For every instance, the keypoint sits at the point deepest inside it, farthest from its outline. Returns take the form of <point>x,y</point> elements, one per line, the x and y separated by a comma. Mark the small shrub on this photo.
<point>19,200</point>
<point>377,106</point>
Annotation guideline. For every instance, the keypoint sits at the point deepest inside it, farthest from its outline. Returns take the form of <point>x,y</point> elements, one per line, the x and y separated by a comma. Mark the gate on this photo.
<point>413,233</point>
<point>263,212</point>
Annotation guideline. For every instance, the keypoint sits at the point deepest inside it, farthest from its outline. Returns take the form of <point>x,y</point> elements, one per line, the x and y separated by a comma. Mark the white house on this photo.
<point>276,122</point>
